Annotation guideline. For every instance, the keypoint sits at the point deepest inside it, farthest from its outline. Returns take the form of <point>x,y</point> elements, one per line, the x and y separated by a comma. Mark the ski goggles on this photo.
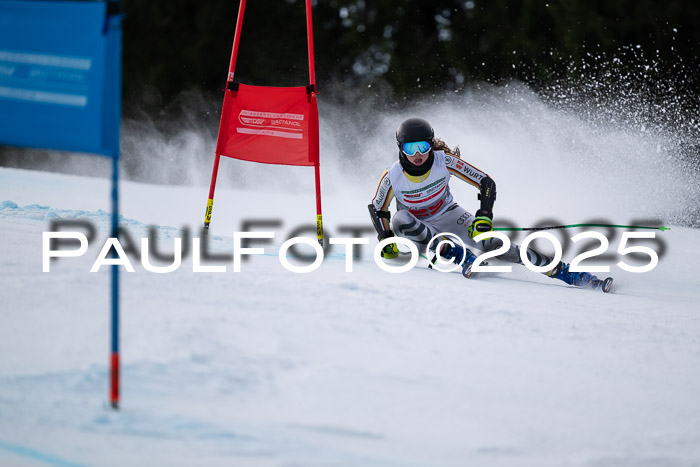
<point>410,149</point>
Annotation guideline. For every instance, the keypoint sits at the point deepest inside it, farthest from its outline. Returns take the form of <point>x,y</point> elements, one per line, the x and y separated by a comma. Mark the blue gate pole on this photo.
<point>114,360</point>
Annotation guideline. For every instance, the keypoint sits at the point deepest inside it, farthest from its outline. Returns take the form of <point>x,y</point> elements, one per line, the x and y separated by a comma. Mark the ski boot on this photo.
<point>584,280</point>
<point>457,252</point>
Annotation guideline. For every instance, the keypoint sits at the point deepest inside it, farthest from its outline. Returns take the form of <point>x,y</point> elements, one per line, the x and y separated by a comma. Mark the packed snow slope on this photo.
<point>265,367</point>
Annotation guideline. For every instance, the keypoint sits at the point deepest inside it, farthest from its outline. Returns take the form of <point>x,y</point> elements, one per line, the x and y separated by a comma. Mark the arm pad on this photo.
<point>487,196</point>
<point>378,225</point>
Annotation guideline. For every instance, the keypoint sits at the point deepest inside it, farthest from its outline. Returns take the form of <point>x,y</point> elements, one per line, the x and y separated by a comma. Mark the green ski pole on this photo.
<point>552,227</point>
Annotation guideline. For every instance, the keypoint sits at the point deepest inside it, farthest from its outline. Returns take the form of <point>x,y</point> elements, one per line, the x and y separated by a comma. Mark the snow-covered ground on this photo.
<point>266,367</point>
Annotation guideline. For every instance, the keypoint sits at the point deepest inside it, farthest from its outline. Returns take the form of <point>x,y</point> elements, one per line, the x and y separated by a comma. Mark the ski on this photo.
<point>604,285</point>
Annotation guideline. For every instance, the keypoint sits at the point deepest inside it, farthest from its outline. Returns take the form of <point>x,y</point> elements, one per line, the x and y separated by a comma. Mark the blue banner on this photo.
<point>60,75</point>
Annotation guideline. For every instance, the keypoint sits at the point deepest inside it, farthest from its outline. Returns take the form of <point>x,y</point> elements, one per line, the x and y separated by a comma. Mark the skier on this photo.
<point>420,182</point>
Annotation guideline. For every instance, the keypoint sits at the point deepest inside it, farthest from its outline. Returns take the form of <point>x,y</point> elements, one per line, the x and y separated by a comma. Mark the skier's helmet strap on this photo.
<point>414,129</point>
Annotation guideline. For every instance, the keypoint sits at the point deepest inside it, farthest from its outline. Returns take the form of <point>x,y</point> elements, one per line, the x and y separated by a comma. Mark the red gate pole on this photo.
<point>310,42</point>
<point>314,140</point>
<point>236,40</point>
<point>229,79</point>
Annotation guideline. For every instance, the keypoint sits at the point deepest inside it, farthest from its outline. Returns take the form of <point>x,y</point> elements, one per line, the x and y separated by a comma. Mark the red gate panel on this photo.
<point>273,125</point>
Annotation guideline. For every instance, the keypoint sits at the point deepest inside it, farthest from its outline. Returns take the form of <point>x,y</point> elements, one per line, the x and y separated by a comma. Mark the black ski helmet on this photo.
<point>414,129</point>
<point>411,130</point>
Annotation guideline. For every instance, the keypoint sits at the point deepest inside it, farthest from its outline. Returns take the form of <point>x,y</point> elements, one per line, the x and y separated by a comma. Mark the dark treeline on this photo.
<point>382,52</point>
<point>406,48</point>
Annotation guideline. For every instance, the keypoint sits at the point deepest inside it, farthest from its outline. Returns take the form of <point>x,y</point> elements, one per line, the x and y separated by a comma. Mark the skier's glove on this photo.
<point>390,251</point>
<point>480,224</point>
